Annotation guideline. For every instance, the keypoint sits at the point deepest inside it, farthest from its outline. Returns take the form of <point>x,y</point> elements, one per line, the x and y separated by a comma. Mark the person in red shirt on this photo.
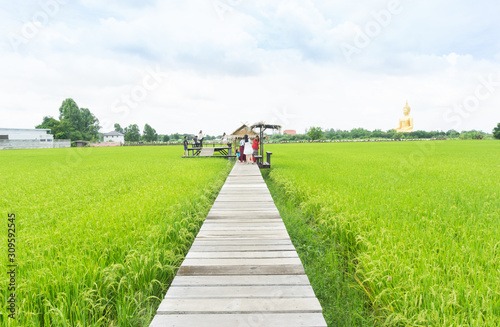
<point>255,147</point>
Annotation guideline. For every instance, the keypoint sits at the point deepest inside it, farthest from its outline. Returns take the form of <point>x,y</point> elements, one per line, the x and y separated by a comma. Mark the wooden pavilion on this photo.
<point>243,130</point>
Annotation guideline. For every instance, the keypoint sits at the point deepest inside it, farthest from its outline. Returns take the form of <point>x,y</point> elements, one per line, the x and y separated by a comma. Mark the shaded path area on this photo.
<point>242,269</point>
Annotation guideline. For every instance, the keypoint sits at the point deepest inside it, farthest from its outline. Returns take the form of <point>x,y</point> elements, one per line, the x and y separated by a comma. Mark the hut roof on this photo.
<point>242,131</point>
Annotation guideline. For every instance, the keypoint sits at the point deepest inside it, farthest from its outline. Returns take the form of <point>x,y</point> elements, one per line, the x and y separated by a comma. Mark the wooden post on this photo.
<point>261,145</point>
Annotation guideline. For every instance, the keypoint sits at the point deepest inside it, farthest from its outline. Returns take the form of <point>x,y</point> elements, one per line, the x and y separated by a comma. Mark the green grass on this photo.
<point>100,231</point>
<point>399,233</point>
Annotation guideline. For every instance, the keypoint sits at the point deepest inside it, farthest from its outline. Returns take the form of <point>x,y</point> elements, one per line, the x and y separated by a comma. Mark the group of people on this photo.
<point>248,150</point>
<point>245,154</point>
<point>197,141</point>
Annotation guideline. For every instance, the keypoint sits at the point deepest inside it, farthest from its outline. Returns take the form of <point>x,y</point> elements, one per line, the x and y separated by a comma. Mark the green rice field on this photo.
<point>395,233</point>
<point>390,233</point>
<point>100,232</point>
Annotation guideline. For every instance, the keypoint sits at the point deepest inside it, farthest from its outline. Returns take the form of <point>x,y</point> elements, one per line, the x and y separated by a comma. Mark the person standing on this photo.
<point>242,148</point>
<point>185,145</point>
<point>196,143</point>
<point>248,149</point>
<point>201,136</point>
<point>255,147</point>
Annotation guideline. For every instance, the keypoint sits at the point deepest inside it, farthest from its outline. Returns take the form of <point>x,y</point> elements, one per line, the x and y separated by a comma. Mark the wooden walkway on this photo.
<point>242,269</point>
<point>207,152</point>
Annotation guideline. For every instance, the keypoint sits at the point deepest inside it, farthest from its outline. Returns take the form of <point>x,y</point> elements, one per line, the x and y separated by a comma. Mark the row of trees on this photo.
<point>133,134</point>
<point>80,124</point>
<point>317,133</point>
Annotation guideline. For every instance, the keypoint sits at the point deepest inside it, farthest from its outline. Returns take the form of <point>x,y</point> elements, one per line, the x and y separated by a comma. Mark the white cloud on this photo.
<point>278,61</point>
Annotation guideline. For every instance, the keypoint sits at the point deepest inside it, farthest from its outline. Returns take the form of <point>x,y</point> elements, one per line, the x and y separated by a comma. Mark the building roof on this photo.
<point>242,131</point>
<point>114,133</point>
<point>24,129</point>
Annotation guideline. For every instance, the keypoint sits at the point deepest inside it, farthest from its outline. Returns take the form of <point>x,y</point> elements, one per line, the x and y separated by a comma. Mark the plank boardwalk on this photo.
<point>207,152</point>
<point>242,269</point>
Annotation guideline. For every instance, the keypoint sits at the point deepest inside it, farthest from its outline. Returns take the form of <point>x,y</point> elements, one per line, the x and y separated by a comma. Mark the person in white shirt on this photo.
<point>201,136</point>
<point>248,150</point>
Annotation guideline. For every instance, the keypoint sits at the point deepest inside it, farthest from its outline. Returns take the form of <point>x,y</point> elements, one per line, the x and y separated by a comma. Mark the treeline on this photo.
<point>77,124</point>
<point>133,134</point>
<point>317,133</point>
<point>80,124</point>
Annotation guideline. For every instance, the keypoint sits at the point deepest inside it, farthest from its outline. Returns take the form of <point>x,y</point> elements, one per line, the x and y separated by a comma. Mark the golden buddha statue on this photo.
<point>405,123</point>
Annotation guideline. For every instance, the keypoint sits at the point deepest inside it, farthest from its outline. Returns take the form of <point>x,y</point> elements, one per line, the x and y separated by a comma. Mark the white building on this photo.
<point>26,134</point>
<point>23,138</point>
<point>114,137</point>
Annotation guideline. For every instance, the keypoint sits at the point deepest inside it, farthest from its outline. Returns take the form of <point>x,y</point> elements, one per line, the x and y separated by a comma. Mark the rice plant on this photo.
<point>100,231</point>
<point>416,222</point>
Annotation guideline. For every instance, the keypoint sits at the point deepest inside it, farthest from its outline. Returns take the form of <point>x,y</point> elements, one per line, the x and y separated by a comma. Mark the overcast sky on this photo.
<point>182,66</point>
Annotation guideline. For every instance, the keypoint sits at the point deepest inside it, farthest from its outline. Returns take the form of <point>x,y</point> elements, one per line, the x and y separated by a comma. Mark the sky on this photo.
<point>211,65</point>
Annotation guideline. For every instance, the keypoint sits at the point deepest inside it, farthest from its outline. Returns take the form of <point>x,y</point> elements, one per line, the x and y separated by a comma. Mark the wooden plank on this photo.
<point>241,270</point>
<point>235,227</point>
<point>258,280</point>
<point>244,232</point>
<point>243,214</point>
<point>242,248</point>
<point>240,305</point>
<point>206,152</point>
<point>237,241</point>
<point>241,255</point>
<point>240,320</point>
<point>249,291</point>
<point>240,261</point>
<point>242,205</point>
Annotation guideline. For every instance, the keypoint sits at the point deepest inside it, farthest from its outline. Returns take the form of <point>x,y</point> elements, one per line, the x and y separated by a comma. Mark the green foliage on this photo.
<point>149,134</point>
<point>315,133</point>
<point>165,138</point>
<point>119,129</point>
<point>132,133</point>
<point>56,128</point>
<point>74,123</point>
<point>496,132</point>
<point>79,124</point>
<point>452,133</point>
<point>100,231</point>
<point>414,226</point>
<point>361,133</point>
<point>472,135</point>
<point>328,270</point>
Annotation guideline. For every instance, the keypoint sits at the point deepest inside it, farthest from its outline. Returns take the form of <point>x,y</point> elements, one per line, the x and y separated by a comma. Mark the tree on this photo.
<point>55,127</point>
<point>76,123</point>
<point>360,133</point>
<point>315,133</point>
<point>149,134</point>
<point>496,132</point>
<point>118,128</point>
<point>165,138</point>
<point>132,133</point>
<point>452,133</point>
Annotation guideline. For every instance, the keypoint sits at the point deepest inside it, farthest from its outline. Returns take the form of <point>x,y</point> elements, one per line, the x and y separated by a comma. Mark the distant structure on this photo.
<point>114,137</point>
<point>406,122</point>
<point>290,132</point>
<point>243,130</point>
<point>22,138</point>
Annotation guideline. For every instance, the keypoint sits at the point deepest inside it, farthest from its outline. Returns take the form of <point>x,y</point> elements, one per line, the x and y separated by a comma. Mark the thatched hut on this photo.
<point>243,130</point>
